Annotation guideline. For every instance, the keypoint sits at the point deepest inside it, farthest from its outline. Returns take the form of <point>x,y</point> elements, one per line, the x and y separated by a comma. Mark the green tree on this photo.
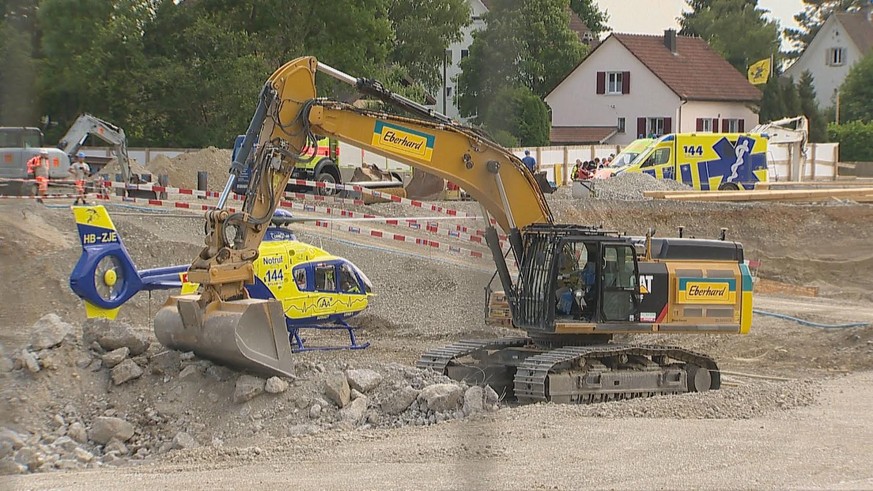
<point>591,15</point>
<point>423,30</point>
<point>736,29</point>
<point>772,101</point>
<point>854,138</point>
<point>856,93</point>
<point>811,18</point>
<point>810,109</point>
<point>18,73</point>
<point>524,44</point>
<point>93,60</point>
<point>790,98</point>
<point>520,113</point>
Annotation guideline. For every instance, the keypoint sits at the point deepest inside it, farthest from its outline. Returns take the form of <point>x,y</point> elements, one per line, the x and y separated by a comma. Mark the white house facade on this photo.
<point>842,41</point>
<point>633,86</point>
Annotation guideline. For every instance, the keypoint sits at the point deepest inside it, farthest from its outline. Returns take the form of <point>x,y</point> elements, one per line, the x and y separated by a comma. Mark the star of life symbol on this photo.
<point>741,150</point>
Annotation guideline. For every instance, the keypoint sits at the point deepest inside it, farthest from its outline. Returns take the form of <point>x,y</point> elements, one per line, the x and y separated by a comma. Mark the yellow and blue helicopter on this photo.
<point>317,289</point>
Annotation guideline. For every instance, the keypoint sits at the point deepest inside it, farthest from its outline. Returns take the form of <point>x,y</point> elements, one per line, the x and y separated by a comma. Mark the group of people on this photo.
<point>38,170</point>
<point>587,169</point>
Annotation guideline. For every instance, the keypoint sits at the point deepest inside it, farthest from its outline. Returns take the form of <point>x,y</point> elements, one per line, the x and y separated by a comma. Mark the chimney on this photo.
<point>670,40</point>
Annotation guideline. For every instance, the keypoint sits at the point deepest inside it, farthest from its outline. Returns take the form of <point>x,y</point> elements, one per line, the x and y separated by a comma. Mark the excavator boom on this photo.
<point>87,125</point>
<point>576,285</point>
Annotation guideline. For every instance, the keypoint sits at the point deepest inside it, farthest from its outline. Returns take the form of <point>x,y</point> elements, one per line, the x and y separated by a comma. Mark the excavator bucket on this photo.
<point>425,186</point>
<point>248,334</point>
<point>372,177</point>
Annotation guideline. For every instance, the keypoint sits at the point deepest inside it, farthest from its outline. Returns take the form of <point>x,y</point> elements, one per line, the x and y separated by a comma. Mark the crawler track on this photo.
<point>585,374</point>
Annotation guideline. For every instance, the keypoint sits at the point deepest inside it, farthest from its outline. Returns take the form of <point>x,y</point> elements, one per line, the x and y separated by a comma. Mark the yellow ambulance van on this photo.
<point>705,161</point>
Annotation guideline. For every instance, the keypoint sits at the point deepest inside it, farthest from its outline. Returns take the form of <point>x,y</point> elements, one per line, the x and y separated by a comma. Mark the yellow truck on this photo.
<point>705,161</point>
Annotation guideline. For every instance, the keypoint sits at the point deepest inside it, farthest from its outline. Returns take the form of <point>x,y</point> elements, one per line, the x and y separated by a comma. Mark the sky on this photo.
<point>654,16</point>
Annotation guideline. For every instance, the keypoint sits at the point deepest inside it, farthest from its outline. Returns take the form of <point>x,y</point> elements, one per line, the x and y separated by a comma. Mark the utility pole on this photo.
<point>445,78</point>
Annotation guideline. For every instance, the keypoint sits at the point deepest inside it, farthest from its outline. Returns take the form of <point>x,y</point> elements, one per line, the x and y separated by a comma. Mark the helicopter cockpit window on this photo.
<point>300,278</point>
<point>348,281</point>
<point>325,278</point>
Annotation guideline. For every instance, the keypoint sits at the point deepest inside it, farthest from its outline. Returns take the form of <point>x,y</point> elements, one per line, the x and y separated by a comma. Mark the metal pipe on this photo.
<point>333,72</point>
<point>502,191</point>
<point>239,162</point>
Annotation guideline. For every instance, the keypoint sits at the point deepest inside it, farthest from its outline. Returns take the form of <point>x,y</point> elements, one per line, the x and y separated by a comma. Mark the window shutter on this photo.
<point>668,125</point>
<point>625,82</point>
<point>724,125</point>
<point>741,125</point>
<point>641,128</point>
<point>699,124</point>
<point>601,82</point>
<point>715,125</point>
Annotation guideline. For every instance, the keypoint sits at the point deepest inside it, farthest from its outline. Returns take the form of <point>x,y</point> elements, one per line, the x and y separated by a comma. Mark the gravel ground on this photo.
<point>823,446</point>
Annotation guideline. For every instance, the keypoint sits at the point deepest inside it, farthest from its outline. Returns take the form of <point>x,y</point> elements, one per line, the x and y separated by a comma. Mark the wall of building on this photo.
<point>827,79</point>
<point>692,110</point>
<point>575,101</point>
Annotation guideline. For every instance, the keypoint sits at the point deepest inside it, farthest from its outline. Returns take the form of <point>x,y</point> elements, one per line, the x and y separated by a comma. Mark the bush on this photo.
<point>855,139</point>
<point>522,114</point>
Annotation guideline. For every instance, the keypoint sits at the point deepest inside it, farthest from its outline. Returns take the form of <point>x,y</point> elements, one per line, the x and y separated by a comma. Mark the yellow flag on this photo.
<point>759,72</point>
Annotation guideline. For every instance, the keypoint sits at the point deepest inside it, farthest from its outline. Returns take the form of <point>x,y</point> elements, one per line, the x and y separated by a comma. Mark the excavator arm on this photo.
<point>87,125</point>
<point>220,322</point>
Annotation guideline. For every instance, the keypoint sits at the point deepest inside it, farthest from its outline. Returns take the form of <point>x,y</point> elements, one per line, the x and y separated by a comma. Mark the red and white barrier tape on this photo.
<point>303,182</point>
<point>183,205</point>
<point>50,196</point>
<point>413,223</point>
<point>317,197</point>
<point>381,234</point>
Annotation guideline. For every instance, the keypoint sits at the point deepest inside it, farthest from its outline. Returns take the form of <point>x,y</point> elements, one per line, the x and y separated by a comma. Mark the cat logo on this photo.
<point>646,283</point>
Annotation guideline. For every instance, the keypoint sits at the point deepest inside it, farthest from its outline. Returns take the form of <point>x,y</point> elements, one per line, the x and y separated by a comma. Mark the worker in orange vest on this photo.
<point>38,168</point>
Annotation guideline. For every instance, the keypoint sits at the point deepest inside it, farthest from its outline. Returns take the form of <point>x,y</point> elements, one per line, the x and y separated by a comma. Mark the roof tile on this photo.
<point>580,135</point>
<point>859,28</point>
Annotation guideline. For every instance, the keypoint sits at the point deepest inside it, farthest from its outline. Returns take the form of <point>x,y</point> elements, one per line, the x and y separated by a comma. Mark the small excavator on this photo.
<point>570,288</point>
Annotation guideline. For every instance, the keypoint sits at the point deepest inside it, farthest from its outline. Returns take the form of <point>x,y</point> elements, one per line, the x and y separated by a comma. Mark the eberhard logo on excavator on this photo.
<point>577,286</point>
<point>404,141</point>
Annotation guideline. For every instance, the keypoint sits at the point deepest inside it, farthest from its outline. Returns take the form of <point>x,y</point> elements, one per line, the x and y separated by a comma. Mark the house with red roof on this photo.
<point>634,86</point>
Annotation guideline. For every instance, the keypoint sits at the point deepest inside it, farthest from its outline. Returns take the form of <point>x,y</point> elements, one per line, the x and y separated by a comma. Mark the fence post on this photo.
<point>163,180</point>
<point>201,182</point>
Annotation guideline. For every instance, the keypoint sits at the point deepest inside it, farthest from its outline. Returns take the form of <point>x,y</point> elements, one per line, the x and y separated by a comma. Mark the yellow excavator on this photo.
<point>570,288</point>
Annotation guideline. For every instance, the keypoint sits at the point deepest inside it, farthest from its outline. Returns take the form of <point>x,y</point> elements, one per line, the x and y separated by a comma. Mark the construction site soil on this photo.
<point>85,404</point>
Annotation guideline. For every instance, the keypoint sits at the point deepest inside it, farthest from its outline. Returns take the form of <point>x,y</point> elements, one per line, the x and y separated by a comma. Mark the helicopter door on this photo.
<point>619,287</point>
<point>325,288</point>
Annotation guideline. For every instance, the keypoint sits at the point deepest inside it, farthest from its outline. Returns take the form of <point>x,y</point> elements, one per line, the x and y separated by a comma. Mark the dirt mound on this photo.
<point>182,169</point>
<point>112,168</point>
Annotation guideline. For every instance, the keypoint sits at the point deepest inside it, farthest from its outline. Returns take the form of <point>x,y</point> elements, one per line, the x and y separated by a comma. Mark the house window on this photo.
<point>620,125</point>
<point>655,126</point>
<point>705,125</point>
<point>836,56</point>
<point>613,82</point>
<point>448,91</point>
<point>731,126</point>
<point>465,53</point>
<point>449,56</point>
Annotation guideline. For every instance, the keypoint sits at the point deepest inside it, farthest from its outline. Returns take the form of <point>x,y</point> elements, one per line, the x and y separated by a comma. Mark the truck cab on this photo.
<point>324,167</point>
<point>20,144</point>
<point>705,161</point>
